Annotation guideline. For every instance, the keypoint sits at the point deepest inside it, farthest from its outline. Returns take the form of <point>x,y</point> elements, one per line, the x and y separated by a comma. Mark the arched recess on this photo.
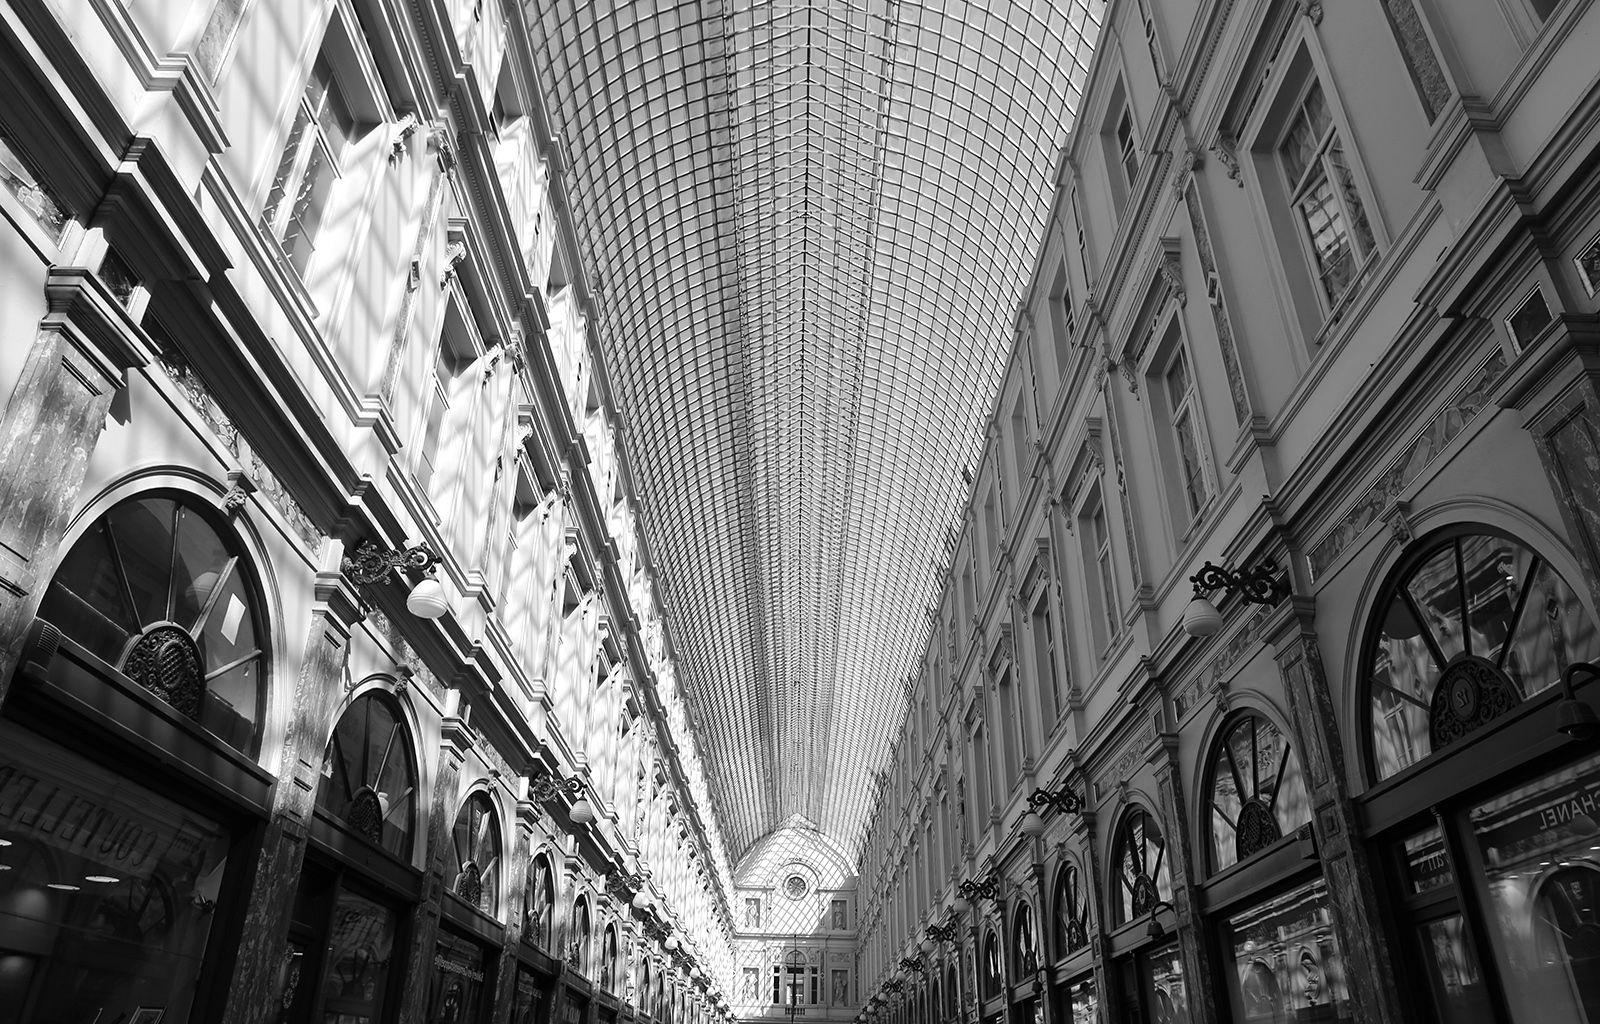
<point>1070,918</point>
<point>472,856</point>
<point>1470,623</point>
<point>609,980</point>
<point>369,776</point>
<point>581,954</point>
<point>159,588</point>
<point>1024,942</point>
<point>1255,789</point>
<point>992,973</point>
<point>1141,875</point>
<point>539,904</point>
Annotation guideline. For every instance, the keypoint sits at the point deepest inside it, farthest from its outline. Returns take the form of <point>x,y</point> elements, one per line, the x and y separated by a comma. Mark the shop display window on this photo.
<point>1258,792</point>
<point>1285,963</point>
<point>1155,984</point>
<point>1084,1000</point>
<point>1540,848</point>
<point>457,985</point>
<point>340,965</point>
<point>155,591</point>
<point>539,904</point>
<point>369,781</point>
<point>108,890</point>
<point>1478,623</point>
<point>1455,981</point>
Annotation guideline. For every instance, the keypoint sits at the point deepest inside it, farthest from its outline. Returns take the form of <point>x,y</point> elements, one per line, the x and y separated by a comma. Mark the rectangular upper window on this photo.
<point>309,165</point>
<point>1323,196</point>
<point>1184,421</point>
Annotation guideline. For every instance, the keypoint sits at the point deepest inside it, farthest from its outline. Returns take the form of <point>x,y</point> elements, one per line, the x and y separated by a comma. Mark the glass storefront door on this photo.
<point>1284,962</point>
<point>457,987</point>
<point>341,962</point>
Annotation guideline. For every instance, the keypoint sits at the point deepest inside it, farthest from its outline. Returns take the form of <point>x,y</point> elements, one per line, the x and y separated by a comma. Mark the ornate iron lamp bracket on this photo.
<point>545,787</point>
<point>942,932</point>
<point>1260,585</point>
<point>1063,800</point>
<point>987,889</point>
<point>369,563</point>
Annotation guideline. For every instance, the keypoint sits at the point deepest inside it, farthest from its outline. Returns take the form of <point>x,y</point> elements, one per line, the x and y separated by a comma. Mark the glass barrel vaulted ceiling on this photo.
<point>810,223</point>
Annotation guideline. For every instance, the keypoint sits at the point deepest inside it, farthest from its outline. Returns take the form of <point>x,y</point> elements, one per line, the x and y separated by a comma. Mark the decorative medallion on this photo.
<point>469,883</point>
<point>364,816</point>
<point>795,887</point>
<point>166,662</point>
<point>1145,896</point>
<point>1077,936</point>
<point>1471,693</point>
<point>1257,828</point>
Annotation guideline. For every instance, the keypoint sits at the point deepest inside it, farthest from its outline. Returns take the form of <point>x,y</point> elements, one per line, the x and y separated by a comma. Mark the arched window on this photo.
<point>935,1003</point>
<point>1142,876</point>
<point>1472,624</point>
<point>155,590</point>
<point>991,964</point>
<point>1024,944</point>
<point>608,959</point>
<point>952,992</point>
<point>582,930</point>
<point>369,781</point>
<point>474,855</point>
<point>1258,792</point>
<point>540,901</point>
<point>643,996</point>
<point>1072,912</point>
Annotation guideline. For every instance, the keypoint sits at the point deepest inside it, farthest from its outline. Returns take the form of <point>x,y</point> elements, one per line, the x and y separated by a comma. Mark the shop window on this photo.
<point>1258,793</point>
<point>540,902</point>
<point>153,589</point>
<point>1471,625</point>
<point>108,889</point>
<point>578,953</point>
<point>991,964</point>
<point>1286,960</point>
<point>340,953</point>
<point>1142,876</point>
<point>529,999</point>
<point>1072,913</point>
<point>608,959</point>
<point>473,856</point>
<point>458,987</point>
<point>369,780</point>
<point>1181,433</point>
<point>1540,847</point>
<point>1084,1001</point>
<point>1024,944</point>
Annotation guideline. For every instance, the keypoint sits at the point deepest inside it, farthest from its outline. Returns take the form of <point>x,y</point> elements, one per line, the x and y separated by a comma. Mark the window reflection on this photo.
<point>1287,964</point>
<point>1454,979</point>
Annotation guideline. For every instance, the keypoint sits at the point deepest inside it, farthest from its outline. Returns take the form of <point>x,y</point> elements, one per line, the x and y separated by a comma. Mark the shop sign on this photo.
<point>89,825</point>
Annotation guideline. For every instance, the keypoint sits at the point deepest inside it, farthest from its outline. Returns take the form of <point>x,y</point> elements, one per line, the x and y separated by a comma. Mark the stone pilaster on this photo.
<point>254,993</point>
<point>82,350</point>
<point>518,859</point>
<point>1087,835</point>
<point>1198,956</point>
<point>1348,870</point>
<point>441,816</point>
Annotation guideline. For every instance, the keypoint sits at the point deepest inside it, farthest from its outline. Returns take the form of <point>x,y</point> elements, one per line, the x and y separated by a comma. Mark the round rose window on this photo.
<point>795,887</point>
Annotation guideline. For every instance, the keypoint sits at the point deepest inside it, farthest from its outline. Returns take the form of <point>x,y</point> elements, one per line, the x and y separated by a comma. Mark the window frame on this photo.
<point>1182,510</point>
<point>1099,569</point>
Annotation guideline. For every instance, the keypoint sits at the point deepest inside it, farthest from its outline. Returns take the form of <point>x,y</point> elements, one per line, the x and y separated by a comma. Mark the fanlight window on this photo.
<point>951,992</point>
<point>991,964</point>
<point>1024,943</point>
<point>474,865</point>
<point>1476,624</point>
<point>583,929</point>
<point>1258,792</point>
<point>540,903</point>
<point>368,779</point>
<point>154,590</point>
<point>1072,912</point>
<point>1143,876</point>
<point>608,958</point>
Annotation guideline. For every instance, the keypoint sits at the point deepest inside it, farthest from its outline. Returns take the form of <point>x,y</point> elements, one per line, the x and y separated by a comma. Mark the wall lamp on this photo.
<point>1063,800</point>
<point>546,787</point>
<point>619,884</point>
<point>1574,718</point>
<point>911,963</point>
<point>941,933</point>
<point>1261,585</point>
<point>1156,929</point>
<point>370,564</point>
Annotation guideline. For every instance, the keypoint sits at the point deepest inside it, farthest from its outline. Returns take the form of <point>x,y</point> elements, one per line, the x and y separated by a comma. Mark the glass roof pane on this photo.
<point>815,219</point>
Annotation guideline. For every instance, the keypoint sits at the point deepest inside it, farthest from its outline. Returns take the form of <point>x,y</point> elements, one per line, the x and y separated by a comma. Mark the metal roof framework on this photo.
<point>810,223</point>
